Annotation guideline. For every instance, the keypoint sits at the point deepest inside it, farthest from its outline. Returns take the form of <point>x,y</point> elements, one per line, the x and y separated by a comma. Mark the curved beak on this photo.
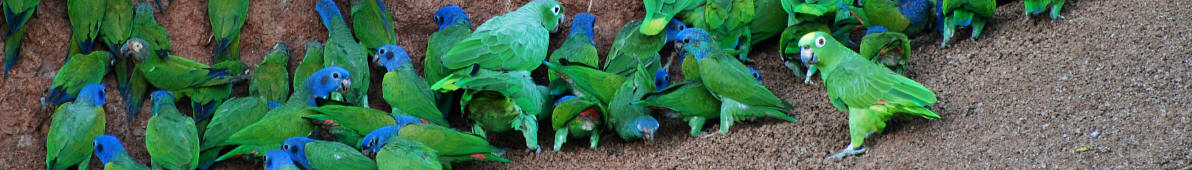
<point>808,57</point>
<point>345,86</point>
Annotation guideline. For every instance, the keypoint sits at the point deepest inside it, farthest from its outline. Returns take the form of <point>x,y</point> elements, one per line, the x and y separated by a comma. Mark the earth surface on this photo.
<point>1105,87</point>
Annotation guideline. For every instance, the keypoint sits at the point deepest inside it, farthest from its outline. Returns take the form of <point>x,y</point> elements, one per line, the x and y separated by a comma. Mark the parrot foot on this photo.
<point>560,138</point>
<point>594,140</point>
<point>848,151</point>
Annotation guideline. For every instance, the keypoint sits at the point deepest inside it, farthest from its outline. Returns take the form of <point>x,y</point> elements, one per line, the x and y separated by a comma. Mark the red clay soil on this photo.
<point>1107,87</point>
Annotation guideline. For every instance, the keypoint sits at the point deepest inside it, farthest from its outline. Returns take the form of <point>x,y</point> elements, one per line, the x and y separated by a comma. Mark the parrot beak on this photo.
<point>368,153</point>
<point>345,86</point>
<point>809,58</point>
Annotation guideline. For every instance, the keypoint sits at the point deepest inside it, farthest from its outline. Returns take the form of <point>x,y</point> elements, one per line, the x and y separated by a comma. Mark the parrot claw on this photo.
<point>848,151</point>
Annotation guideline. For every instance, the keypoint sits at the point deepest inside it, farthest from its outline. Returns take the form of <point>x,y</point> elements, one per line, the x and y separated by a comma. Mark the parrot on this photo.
<point>111,152</point>
<point>117,24</point>
<point>16,14</point>
<point>349,124</point>
<point>74,124</point>
<point>728,23</point>
<point>452,146</point>
<point>731,82</point>
<point>1036,7</point>
<point>630,46</point>
<point>279,160</point>
<point>632,122</point>
<point>904,16</point>
<point>342,50</point>
<point>227,18</point>
<point>135,86</point>
<point>580,47</point>
<point>662,78</point>
<point>372,24</point>
<point>146,28</point>
<point>889,49</point>
<point>315,154</point>
<point>76,73</point>
<point>870,93</point>
<point>286,120</point>
<point>587,81</point>
<point>312,61</point>
<point>514,41</point>
<point>500,102</point>
<point>204,99</point>
<point>973,13</point>
<point>660,12</point>
<point>405,91</point>
<point>453,27</point>
<point>690,99</point>
<point>270,77</point>
<point>788,48</point>
<point>117,28</point>
<point>84,24</point>
<point>170,137</point>
<point>172,72</point>
<point>578,117</point>
<point>401,153</point>
<point>230,117</point>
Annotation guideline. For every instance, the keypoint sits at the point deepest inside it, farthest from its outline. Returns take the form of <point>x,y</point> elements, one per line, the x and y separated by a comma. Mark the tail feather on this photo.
<point>204,110</point>
<point>58,96</point>
<point>221,50</point>
<point>915,111</point>
<point>12,52</point>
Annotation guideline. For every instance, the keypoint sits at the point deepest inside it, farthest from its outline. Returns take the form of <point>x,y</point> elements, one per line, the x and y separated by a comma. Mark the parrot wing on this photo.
<point>335,155</point>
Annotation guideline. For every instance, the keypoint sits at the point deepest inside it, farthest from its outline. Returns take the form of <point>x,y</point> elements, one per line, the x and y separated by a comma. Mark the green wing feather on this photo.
<point>567,110</point>
<point>84,23</point>
<point>372,24</point>
<point>78,71</point>
<point>146,27</point>
<point>227,18</point>
<point>586,80</point>
<point>856,83</point>
<point>73,127</point>
<point>172,139</point>
<point>728,78</point>
<point>507,42</point>
<point>276,126</point>
<point>409,94</point>
<point>269,79</point>
<point>335,155</point>
<point>769,20</point>
<point>401,153</point>
<point>448,142</point>
<point>362,120</point>
<point>342,50</point>
<point>892,49</point>
<point>689,98</point>
<point>232,116</point>
<point>631,48</point>
<point>440,42</point>
<point>983,8</point>
<point>885,13</point>
<point>312,61</point>
<point>577,48</point>
<point>660,12</point>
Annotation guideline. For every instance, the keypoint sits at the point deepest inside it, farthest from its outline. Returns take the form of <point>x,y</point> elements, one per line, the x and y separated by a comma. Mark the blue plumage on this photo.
<point>325,81</point>
<point>451,14</point>
<point>392,56</point>
<point>582,24</point>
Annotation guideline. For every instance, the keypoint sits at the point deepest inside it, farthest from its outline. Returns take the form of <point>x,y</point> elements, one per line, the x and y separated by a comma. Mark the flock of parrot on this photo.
<point>320,118</point>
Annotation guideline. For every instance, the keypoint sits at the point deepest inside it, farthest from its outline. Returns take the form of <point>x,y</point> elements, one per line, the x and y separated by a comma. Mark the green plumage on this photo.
<point>349,124</point>
<point>312,61</point>
<point>1036,7</point>
<point>117,25</point>
<point>372,24</point>
<point>335,155</point>
<point>146,27</point>
<point>514,41</point>
<point>77,73</point>
<point>578,48</point>
<point>728,23</point>
<point>972,13</point>
<point>124,162</point>
<point>341,49</point>
<point>502,101</point>
<point>230,117</point>
<point>439,43</point>
<point>170,137</point>
<point>409,94</point>
<point>769,20</point>
<point>271,78</point>
<point>227,18</point>
<point>577,117</point>
<point>73,127</point>
<point>275,127</point>
<point>451,144</point>
<point>788,46</point>
<point>885,13</point>
<point>588,81</point>
<point>889,49</point>
<point>690,99</point>
<point>631,48</point>
<point>16,14</point>
<point>622,113</point>
<point>660,12</point>
<point>728,79</point>
<point>85,18</point>
<point>401,153</point>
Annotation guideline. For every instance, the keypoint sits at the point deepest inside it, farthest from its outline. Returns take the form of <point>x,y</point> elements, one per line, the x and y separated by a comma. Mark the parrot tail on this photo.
<point>58,96</point>
<point>915,111</point>
<point>203,111</point>
<point>221,50</point>
<point>12,52</point>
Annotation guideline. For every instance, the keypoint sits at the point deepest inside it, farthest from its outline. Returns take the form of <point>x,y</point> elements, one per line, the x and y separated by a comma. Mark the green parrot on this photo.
<point>514,41</point>
<point>401,153</point>
<point>204,99</point>
<point>170,137</point>
<point>342,50</point>
<point>728,23</point>
<point>731,81</point>
<point>135,87</point>
<point>230,117</point>
<point>405,91</point>
<point>286,120</point>
<point>501,102</point>
<point>314,154</point>
<point>312,61</point>
<point>890,49</point>
<point>372,24</point>
<point>788,48</point>
<point>630,46</point>
<point>74,124</point>
<point>227,18</point>
<point>76,73</point>
<point>577,117</point>
<point>269,79</point>
<point>16,13</point>
<point>587,81</point>
<point>172,72</point>
<point>629,121</point>
<point>870,93</point>
<point>146,28</point>
<point>451,145</point>
<point>580,47</point>
<point>453,27</point>
<point>1036,7</point>
<point>117,28</point>
<point>690,99</point>
<point>660,12</point>
<point>111,152</point>
<point>84,24</point>
<point>768,20</point>
<point>905,16</point>
<point>972,13</point>
<point>349,124</point>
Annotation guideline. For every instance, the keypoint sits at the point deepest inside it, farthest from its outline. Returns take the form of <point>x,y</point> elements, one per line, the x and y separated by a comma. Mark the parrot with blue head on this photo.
<point>342,50</point>
<point>76,73</point>
<point>279,160</point>
<point>74,123</point>
<point>580,47</point>
<point>451,146</point>
<point>316,154</point>
<point>171,138</point>
<point>453,27</point>
<point>111,153</point>
<point>731,81</point>
<point>402,88</point>
<point>287,120</point>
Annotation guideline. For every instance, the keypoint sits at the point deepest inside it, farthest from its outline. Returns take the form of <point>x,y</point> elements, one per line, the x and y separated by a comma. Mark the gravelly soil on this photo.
<point>1113,77</point>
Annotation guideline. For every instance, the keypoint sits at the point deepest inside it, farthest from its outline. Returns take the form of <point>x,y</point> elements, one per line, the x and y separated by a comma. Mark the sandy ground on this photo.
<point>1113,77</point>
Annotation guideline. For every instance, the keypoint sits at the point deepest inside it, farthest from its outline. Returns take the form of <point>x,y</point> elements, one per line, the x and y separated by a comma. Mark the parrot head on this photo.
<point>551,12</point>
<point>107,147</point>
<point>672,30</point>
<point>377,139</point>
<point>565,98</point>
<point>582,24</point>
<point>451,14</point>
<point>756,75</point>
<point>296,148</point>
<point>276,159</point>
<point>646,126</point>
<point>813,47</point>
<point>325,81</point>
<point>136,48</point>
<point>161,98</point>
<point>392,56</point>
<point>661,79</point>
<point>695,41</point>
<point>94,94</point>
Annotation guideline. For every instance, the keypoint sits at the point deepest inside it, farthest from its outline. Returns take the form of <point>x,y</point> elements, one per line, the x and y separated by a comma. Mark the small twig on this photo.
<point>589,6</point>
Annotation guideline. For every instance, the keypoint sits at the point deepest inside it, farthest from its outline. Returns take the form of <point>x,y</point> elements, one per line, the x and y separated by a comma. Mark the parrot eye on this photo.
<point>98,147</point>
<point>819,42</point>
<point>136,46</point>
<point>285,147</point>
<point>555,10</point>
<point>335,75</point>
<point>438,20</point>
